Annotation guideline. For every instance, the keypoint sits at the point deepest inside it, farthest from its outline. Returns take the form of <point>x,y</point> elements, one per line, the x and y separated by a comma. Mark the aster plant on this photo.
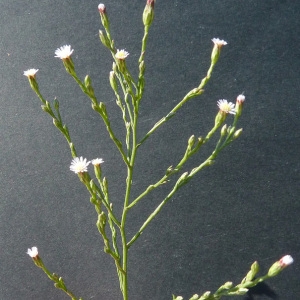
<point>129,93</point>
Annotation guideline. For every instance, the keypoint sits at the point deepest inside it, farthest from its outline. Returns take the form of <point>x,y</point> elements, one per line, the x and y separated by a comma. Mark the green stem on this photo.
<point>191,94</point>
<point>58,281</point>
<point>188,96</point>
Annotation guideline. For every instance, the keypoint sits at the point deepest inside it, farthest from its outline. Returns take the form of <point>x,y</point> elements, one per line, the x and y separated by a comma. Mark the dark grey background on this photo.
<point>244,208</point>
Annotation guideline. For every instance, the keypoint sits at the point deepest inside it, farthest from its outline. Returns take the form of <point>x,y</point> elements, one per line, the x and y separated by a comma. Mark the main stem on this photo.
<point>124,283</point>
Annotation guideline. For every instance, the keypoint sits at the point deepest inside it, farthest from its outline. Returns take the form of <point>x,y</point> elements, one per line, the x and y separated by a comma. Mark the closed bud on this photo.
<point>252,273</point>
<point>142,67</point>
<point>224,130</point>
<point>220,118</point>
<point>237,133</point>
<point>225,286</point>
<point>148,14</point>
<point>205,296</point>
<point>112,81</point>
<point>56,123</point>
<point>87,81</point>
<point>279,265</point>
<point>241,291</point>
<point>101,8</point>
<point>56,104</point>
<point>191,141</point>
<point>103,16</point>
<point>239,104</point>
<point>104,39</point>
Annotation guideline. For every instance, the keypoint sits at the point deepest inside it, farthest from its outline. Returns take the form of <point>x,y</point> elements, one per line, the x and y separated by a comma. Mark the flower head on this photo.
<point>79,165</point>
<point>286,261</point>
<point>121,54</point>
<point>97,161</point>
<point>226,107</point>
<point>218,42</point>
<point>33,252</point>
<point>102,8</point>
<point>30,73</point>
<point>240,98</point>
<point>64,52</point>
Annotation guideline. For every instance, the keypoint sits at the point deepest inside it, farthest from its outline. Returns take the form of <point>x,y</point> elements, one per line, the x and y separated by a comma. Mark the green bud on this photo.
<point>252,273</point>
<point>220,118</point>
<point>45,108</point>
<point>88,85</point>
<point>57,123</point>
<point>114,67</point>
<point>194,92</point>
<point>142,67</point>
<point>113,82</point>
<point>242,291</point>
<point>194,297</point>
<point>275,269</point>
<point>148,14</point>
<point>225,286</point>
<point>87,81</point>
<point>102,218</point>
<point>56,104</point>
<point>105,185</point>
<point>104,39</point>
<point>205,296</point>
<point>224,130</point>
<point>191,142</point>
<point>237,133</point>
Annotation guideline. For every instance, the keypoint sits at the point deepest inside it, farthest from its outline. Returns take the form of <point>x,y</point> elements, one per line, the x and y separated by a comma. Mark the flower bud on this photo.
<point>252,273</point>
<point>220,118</point>
<point>56,104</point>
<point>279,265</point>
<point>218,44</point>
<point>101,8</point>
<point>112,81</point>
<point>239,104</point>
<point>104,39</point>
<point>241,291</point>
<point>103,16</point>
<point>148,14</point>
<point>205,296</point>
<point>224,130</point>
<point>237,133</point>
<point>191,142</point>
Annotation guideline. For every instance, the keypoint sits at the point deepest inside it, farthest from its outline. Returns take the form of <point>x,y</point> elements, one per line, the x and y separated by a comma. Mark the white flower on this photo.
<point>227,107</point>
<point>240,98</point>
<point>286,261</point>
<point>97,161</point>
<point>219,42</point>
<point>121,54</point>
<point>64,52</point>
<point>79,165</point>
<point>30,73</point>
<point>101,8</point>
<point>33,252</point>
